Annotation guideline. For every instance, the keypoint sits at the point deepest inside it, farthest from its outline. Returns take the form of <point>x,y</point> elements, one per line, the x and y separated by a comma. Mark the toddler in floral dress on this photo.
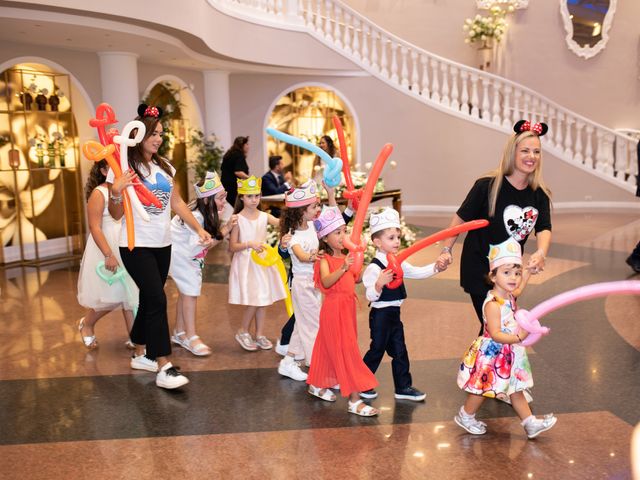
<point>496,365</point>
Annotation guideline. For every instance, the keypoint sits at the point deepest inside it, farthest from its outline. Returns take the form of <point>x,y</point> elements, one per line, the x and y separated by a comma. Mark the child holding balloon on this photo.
<point>251,284</point>
<point>387,331</point>
<point>496,365</point>
<point>336,356</point>
<point>102,246</point>
<point>187,258</point>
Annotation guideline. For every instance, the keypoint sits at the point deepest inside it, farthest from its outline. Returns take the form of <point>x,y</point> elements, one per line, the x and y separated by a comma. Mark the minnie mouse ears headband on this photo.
<point>145,110</point>
<point>538,128</point>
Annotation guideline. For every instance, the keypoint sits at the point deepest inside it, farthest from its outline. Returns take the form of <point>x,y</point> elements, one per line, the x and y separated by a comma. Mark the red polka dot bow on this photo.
<point>153,112</point>
<point>538,128</point>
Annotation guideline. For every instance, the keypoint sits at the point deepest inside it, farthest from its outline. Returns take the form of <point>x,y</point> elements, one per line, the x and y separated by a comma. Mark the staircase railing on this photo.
<point>457,89</point>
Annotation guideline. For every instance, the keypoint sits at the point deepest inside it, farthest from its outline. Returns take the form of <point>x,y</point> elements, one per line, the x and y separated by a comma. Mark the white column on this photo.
<point>119,78</point>
<point>217,106</point>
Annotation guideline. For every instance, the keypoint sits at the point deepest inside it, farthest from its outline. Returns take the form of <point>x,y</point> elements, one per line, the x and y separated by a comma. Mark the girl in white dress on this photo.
<point>250,284</point>
<point>188,254</point>
<point>95,293</point>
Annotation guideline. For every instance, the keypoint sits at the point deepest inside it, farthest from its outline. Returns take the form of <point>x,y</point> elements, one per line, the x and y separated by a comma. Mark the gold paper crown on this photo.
<point>250,186</point>
<point>211,185</point>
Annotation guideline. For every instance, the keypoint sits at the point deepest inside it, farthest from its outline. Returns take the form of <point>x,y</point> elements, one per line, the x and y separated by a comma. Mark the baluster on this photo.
<point>609,139</point>
<point>632,179</point>
<point>346,39</point>
<point>404,71</point>
<point>415,88</point>
<point>454,88</point>
<point>394,61</point>
<point>374,50</point>
<point>279,8</point>
<point>308,14</point>
<point>558,138</point>
<point>526,108</point>
<point>621,165</point>
<point>337,36</point>
<point>486,114</point>
<point>435,82</point>
<point>534,110</point>
<point>516,106</point>
<point>444,98</point>
<point>475,112</point>
<point>577,156</point>
<point>384,70</point>
<point>424,86</point>
<point>588,152</point>
<point>318,23</point>
<point>365,45</point>
<point>464,97</point>
<point>495,108</point>
<point>356,38</point>
<point>601,161</point>
<point>506,114</point>
<point>568,142</point>
<point>327,19</point>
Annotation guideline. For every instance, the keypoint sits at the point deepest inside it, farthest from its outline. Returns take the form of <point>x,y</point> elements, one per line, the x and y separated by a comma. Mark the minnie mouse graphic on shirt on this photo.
<point>519,222</point>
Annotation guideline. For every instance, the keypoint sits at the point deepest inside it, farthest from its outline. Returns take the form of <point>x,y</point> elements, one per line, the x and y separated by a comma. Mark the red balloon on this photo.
<point>350,193</point>
<point>104,116</point>
<point>395,261</point>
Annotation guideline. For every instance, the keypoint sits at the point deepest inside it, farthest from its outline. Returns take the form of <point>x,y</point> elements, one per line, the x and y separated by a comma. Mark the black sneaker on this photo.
<point>369,394</point>
<point>634,263</point>
<point>410,393</point>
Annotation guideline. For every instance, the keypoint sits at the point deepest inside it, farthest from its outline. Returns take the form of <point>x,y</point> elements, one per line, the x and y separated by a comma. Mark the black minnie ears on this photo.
<point>538,128</point>
<point>145,110</point>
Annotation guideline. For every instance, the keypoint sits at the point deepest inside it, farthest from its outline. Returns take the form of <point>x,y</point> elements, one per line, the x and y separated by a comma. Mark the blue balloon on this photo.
<point>332,172</point>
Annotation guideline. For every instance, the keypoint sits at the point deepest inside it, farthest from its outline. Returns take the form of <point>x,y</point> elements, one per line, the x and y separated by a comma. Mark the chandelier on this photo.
<point>516,4</point>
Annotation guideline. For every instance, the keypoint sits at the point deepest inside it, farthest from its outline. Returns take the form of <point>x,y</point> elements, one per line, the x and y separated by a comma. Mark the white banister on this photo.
<point>446,85</point>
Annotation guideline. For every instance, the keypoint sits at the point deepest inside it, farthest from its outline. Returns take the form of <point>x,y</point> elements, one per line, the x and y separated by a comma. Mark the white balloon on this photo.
<point>124,141</point>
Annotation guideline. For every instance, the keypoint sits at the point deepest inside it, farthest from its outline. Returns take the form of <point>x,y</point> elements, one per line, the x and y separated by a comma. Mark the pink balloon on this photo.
<point>528,320</point>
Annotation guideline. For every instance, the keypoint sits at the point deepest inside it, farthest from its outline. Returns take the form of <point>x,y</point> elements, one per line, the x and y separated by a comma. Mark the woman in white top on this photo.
<point>148,262</point>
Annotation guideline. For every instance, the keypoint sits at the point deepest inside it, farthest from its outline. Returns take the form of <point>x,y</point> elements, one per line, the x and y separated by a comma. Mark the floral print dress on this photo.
<point>494,369</point>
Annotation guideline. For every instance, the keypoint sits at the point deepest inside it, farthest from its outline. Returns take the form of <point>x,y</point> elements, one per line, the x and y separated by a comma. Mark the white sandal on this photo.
<point>327,396</point>
<point>366,411</point>
<point>200,350</point>
<point>175,338</point>
<point>90,342</point>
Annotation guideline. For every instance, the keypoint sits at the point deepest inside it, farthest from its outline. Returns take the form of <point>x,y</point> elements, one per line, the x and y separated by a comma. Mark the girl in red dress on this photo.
<point>336,356</point>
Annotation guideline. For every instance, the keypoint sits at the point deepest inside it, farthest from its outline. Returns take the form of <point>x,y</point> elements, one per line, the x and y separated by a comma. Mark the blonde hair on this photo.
<point>507,167</point>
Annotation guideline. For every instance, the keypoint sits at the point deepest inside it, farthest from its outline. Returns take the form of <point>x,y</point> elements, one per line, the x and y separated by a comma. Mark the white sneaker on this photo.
<point>141,362</point>
<point>169,377</point>
<point>470,424</point>
<point>281,349</point>
<point>536,426</point>
<point>288,367</point>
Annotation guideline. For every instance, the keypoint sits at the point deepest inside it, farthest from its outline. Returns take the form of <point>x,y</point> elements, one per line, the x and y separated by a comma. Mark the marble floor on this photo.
<point>66,412</point>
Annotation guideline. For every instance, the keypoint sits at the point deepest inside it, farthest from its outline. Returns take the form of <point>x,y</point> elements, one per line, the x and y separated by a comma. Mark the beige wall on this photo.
<point>605,88</point>
<point>438,155</point>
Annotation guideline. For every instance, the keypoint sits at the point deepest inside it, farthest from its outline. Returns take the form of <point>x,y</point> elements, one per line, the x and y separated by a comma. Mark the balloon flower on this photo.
<point>354,241</point>
<point>394,262</point>
<point>272,257</point>
<point>118,276</point>
<point>333,167</point>
<point>96,152</point>
<point>350,192</point>
<point>529,320</point>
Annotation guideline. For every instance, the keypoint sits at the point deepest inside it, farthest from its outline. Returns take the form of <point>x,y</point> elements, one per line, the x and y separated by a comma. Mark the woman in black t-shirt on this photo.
<point>234,166</point>
<point>516,202</point>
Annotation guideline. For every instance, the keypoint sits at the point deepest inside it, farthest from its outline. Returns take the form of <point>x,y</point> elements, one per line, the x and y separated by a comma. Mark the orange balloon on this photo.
<point>95,152</point>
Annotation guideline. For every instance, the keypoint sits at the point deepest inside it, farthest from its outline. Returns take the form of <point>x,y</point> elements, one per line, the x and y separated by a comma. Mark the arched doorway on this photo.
<point>306,112</point>
<point>41,194</point>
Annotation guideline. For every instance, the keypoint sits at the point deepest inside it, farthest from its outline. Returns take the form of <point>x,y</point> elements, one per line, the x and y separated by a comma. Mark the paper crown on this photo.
<point>330,219</point>
<point>505,253</point>
<point>386,218</point>
<point>306,194</point>
<point>210,186</point>
<point>250,186</point>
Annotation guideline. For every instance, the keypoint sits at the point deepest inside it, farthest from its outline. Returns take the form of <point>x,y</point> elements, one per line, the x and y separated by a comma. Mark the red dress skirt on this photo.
<point>336,355</point>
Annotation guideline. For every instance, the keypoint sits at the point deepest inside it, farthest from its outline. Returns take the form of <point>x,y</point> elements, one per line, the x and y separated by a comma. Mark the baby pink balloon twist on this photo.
<point>529,320</point>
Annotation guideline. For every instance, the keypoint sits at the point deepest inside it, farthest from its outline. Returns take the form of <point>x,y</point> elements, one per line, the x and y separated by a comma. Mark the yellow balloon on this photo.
<point>270,258</point>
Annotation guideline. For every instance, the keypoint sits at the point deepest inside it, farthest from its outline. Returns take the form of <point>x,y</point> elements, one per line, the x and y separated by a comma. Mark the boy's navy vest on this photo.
<point>390,294</point>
